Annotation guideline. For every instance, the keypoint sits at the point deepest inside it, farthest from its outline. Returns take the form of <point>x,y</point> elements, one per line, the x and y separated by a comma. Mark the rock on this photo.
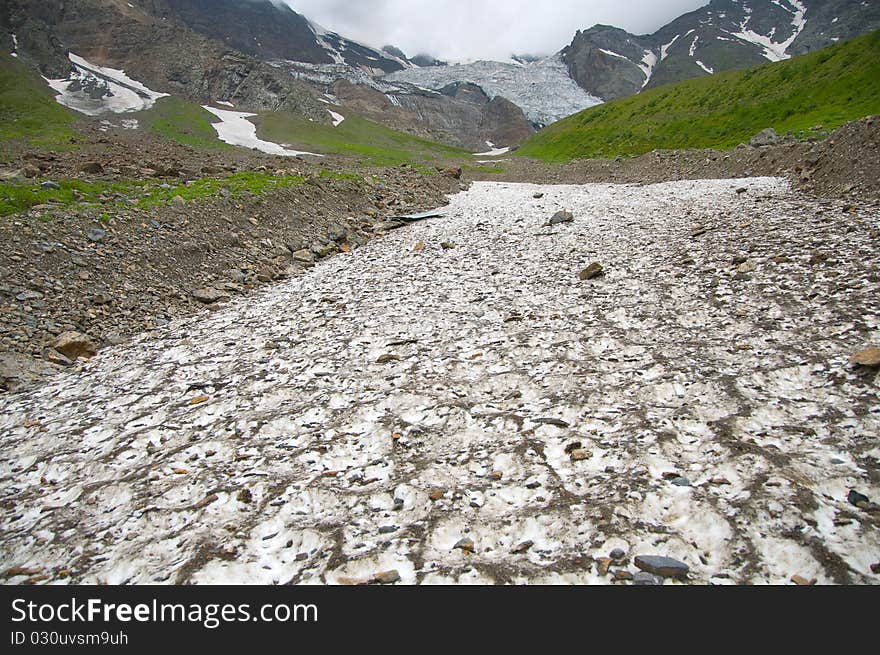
<point>178,201</point>
<point>437,494</point>
<point>304,256</point>
<point>466,545</point>
<point>74,345</point>
<point>29,171</point>
<point>768,137</point>
<point>592,272</point>
<point>538,196</point>
<point>643,579</point>
<point>48,185</point>
<point>580,455</point>
<point>97,234</point>
<point>803,582</point>
<point>388,529</point>
<point>92,168</point>
<point>208,295</point>
<point>560,218</point>
<point>623,576</point>
<point>524,547</point>
<point>875,568</point>
<point>555,422</point>
<point>387,359</point>
<point>18,371</point>
<point>573,446</point>
<point>452,173</point>
<point>27,296</point>
<point>747,267</point>
<point>681,482</point>
<point>447,246</point>
<point>245,496</point>
<point>662,566</point>
<point>386,577</point>
<point>419,247</point>
<point>617,555</point>
<point>869,358</point>
<point>858,500</point>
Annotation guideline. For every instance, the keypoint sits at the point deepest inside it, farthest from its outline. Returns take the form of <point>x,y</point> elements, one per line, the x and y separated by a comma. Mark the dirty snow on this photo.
<point>265,443</point>
<point>235,129</point>
<point>493,151</point>
<point>337,118</point>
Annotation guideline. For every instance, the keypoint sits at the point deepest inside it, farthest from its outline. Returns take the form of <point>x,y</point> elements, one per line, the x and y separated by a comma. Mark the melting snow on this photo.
<point>288,470</point>
<point>235,129</point>
<point>125,94</point>
<point>337,118</point>
<point>775,51</point>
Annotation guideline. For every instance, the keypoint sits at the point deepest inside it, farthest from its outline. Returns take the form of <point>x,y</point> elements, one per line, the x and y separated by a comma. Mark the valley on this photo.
<point>638,320</point>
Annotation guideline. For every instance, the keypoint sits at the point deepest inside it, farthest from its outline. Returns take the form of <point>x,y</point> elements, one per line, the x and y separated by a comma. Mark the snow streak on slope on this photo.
<point>775,51</point>
<point>94,90</point>
<point>543,89</point>
<point>235,129</point>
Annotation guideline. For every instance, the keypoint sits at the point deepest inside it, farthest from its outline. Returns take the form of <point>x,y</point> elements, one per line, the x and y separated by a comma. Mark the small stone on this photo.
<point>419,247</point>
<point>560,218</point>
<point>580,455</point>
<point>437,494</point>
<point>92,168</point>
<point>388,529</point>
<point>386,577</point>
<point>208,295</point>
<point>386,359</point>
<point>452,173</point>
<point>592,272</point>
<point>604,564</point>
<point>75,344</point>
<point>466,545</point>
<point>858,500</point>
<point>27,296</point>
<point>524,547</point>
<point>447,245</point>
<point>747,267</point>
<point>496,476</point>
<point>643,579</point>
<point>304,256</point>
<point>720,481</point>
<point>573,446</point>
<point>622,576</point>
<point>617,555</point>
<point>869,358</point>
<point>199,400</point>
<point>97,234</point>
<point>803,582</point>
<point>48,185</point>
<point>875,568</point>
<point>662,566</point>
<point>178,201</point>
<point>244,496</point>
<point>538,196</point>
<point>681,482</point>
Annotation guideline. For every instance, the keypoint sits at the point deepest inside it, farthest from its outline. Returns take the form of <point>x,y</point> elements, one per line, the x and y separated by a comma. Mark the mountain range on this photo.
<point>263,56</point>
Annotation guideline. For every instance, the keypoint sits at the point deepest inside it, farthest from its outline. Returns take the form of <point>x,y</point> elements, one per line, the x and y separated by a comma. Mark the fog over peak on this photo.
<point>487,29</point>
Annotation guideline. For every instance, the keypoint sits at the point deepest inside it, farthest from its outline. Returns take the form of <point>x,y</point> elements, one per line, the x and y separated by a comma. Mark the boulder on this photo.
<point>74,345</point>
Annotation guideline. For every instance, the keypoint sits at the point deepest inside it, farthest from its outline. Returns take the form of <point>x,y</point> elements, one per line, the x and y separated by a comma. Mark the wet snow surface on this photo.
<point>266,443</point>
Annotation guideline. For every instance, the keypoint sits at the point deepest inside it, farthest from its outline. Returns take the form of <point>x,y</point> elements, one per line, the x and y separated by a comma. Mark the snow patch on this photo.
<point>235,129</point>
<point>121,94</point>
<point>337,118</point>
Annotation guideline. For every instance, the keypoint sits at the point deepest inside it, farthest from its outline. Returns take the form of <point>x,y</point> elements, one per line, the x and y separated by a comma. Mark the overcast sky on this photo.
<point>472,29</point>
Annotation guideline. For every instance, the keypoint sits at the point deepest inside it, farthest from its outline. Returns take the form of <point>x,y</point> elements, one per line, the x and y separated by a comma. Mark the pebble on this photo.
<point>662,566</point>
<point>466,545</point>
<point>562,217</point>
<point>387,577</point>
<point>97,234</point>
<point>869,358</point>
<point>592,272</point>
<point>643,579</point>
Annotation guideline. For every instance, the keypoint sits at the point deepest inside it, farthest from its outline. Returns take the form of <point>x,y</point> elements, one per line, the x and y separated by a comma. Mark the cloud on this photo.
<point>468,29</point>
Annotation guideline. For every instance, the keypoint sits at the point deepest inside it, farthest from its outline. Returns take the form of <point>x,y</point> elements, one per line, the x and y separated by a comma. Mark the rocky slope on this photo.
<point>723,35</point>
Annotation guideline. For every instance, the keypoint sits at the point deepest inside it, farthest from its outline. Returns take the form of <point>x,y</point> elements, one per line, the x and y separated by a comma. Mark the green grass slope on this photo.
<point>182,121</point>
<point>29,114</point>
<point>829,88</point>
<point>355,136</point>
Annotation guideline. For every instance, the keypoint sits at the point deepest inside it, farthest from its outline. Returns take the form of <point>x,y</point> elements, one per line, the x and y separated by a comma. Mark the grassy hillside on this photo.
<point>182,121</point>
<point>354,136</point>
<point>28,111</point>
<point>828,88</point>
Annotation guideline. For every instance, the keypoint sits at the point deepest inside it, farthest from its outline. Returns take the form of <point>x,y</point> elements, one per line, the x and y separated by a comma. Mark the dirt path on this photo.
<point>452,403</point>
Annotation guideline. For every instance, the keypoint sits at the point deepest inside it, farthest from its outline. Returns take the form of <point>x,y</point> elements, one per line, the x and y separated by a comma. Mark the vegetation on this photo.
<point>828,88</point>
<point>29,113</point>
<point>185,122</point>
<point>356,136</point>
<point>19,197</point>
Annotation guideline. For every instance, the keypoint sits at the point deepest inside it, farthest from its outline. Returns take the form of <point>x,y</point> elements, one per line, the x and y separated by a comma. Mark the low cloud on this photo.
<point>469,29</point>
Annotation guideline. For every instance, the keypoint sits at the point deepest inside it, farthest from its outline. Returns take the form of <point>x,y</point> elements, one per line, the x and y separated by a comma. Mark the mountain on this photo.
<point>724,35</point>
<point>807,96</point>
<point>270,31</point>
